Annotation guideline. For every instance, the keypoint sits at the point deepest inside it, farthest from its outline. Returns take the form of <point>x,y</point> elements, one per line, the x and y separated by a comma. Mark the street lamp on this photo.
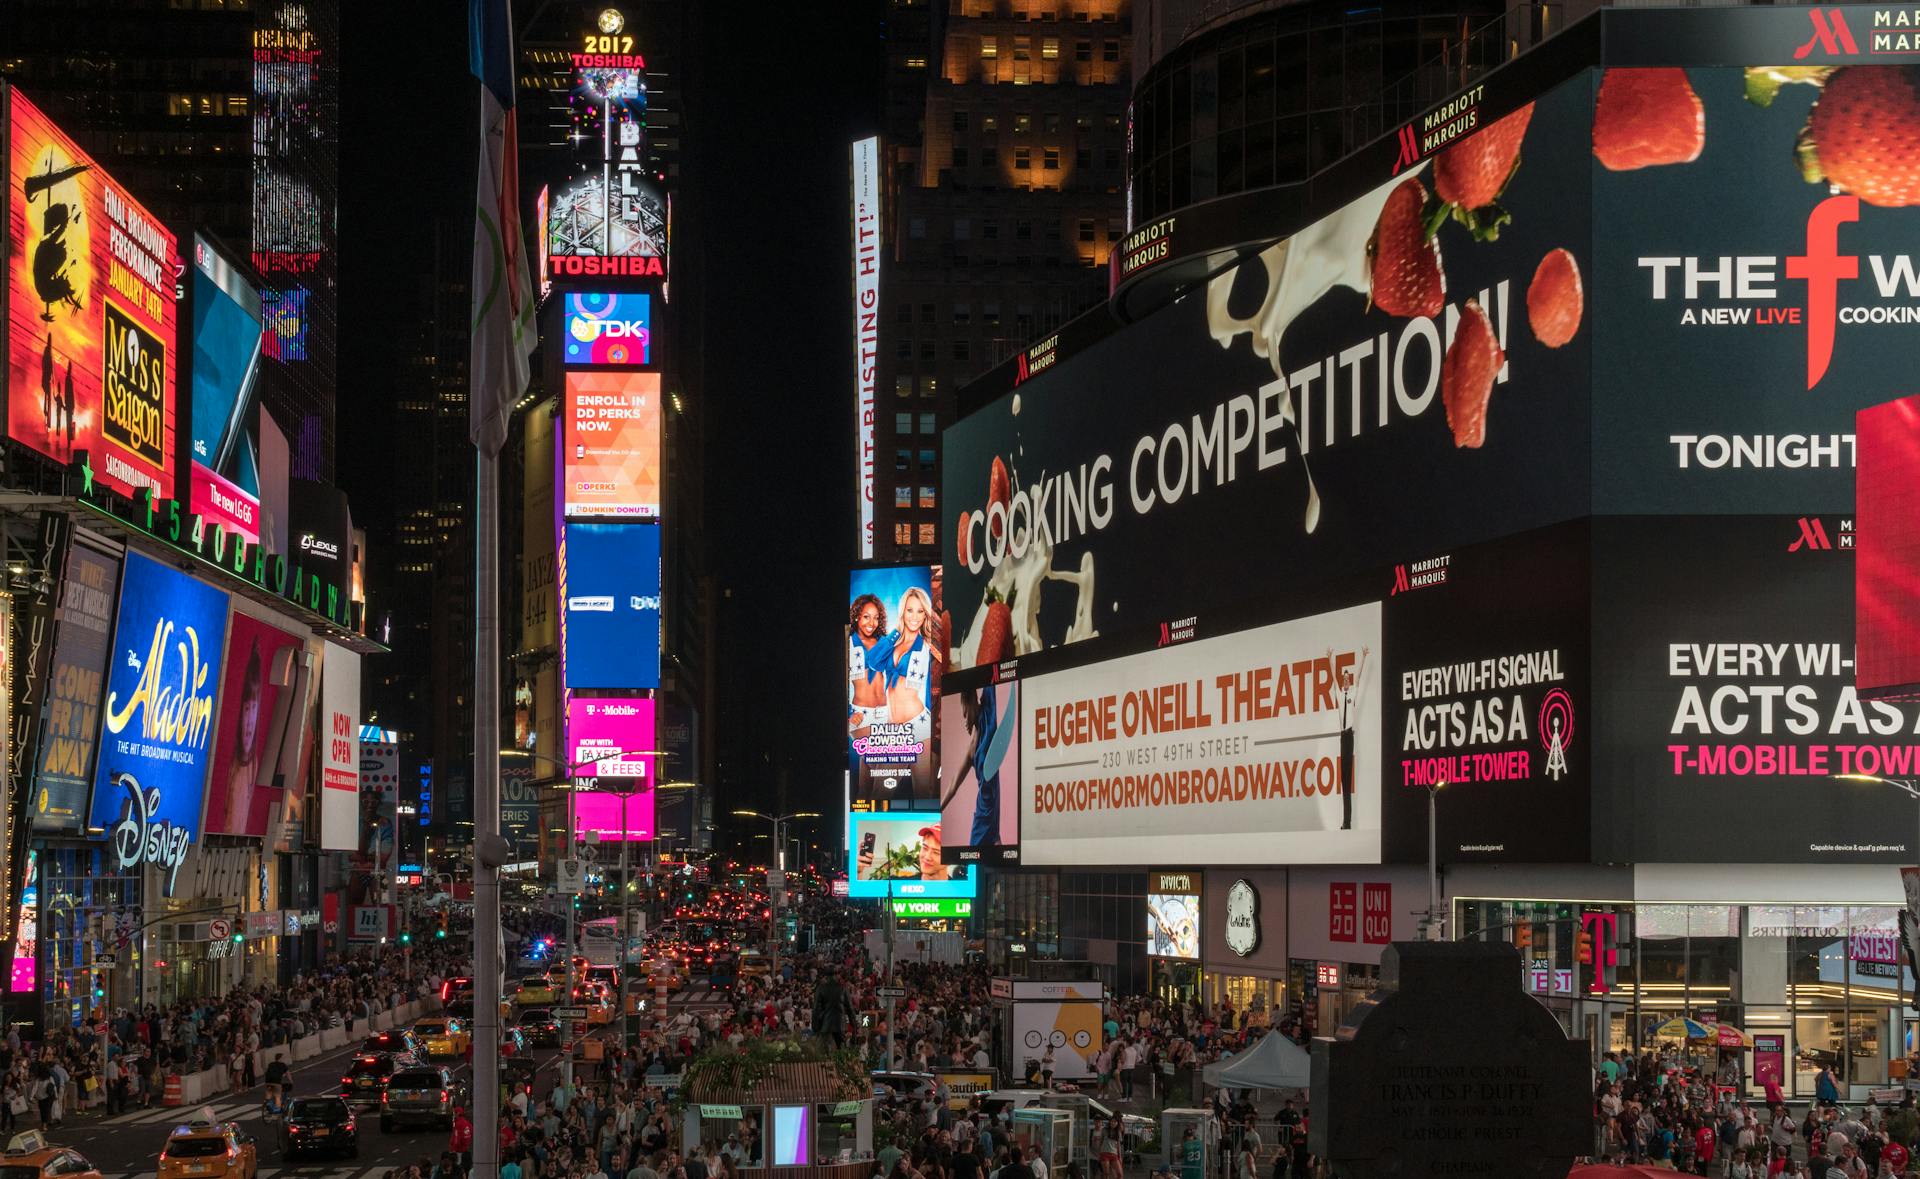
<point>776,874</point>
<point>1436,929</point>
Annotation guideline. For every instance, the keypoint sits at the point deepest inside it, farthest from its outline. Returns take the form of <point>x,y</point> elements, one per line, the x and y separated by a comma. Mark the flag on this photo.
<point>503,328</point>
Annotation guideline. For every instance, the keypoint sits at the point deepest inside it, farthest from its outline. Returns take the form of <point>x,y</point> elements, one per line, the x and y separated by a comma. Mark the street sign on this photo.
<point>569,1012</point>
<point>219,929</point>
<point>891,992</point>
<point>105,960</point>
<point>570,877</point>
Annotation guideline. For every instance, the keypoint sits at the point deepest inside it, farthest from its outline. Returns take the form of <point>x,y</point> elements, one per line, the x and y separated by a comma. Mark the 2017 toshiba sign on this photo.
<point>1256,747</point>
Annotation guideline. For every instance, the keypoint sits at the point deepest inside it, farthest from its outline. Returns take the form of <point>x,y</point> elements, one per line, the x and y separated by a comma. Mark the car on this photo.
<point>421,1095</point>
<point>206,1149</point>
<point>29,1157</point>
<point>459,1003</point>
<point>316,1124</point>
<point>401,1042</point>
<point>904,1086</point>
<point>516,1056</point>
<point>366,1077</point>
<point>755,964</point>
<point>599,1010</point>
<point>442,1036</point>
<point>537,990</point>
<point>608,974</point>
<point>539,1027</point>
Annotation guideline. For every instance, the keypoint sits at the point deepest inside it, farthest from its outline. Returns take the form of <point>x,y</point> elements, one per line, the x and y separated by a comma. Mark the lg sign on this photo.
<point>608,329</point>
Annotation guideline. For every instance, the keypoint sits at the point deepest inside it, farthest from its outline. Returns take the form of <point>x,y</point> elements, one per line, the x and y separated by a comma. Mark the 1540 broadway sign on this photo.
<point>162,675</point>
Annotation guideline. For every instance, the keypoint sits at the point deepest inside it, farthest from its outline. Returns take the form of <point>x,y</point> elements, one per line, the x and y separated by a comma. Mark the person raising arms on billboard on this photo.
<point>866,691</point>
<point>907,662</point>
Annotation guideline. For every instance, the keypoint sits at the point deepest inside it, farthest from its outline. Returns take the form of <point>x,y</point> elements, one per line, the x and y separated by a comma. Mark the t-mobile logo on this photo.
<point>1822,267</point>
<point>1601,928</point>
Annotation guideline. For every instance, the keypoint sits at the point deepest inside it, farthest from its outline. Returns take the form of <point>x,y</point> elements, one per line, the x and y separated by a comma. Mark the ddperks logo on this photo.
<point>1420,574</point>
<point>1814,536</point>
<point>1889,31</point>
<point>1715,288</point>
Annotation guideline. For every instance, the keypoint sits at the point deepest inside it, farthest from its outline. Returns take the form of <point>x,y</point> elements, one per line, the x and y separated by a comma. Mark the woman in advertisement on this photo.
<point>243,770</point>
<point>866,691</point>
<point>907,662</point>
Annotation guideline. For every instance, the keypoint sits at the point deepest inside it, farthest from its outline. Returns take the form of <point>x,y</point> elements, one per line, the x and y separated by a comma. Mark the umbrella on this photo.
<point>1682,1028</point>
<point>1725,1035</point>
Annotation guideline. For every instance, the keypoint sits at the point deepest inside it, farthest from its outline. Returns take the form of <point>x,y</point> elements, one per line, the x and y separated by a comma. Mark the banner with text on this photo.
<point>340,750</point>
<point>70,720</point>
<point>1251,748</point>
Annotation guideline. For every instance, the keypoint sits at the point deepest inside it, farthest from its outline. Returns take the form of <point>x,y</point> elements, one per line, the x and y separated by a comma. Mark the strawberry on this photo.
<point>1863,136</point>
<point>996,633</point>
<point>1644,117</point>
<point>999,491</point>
<point>1466,375</point>
<point>1555,300</point>
<point>1404,257</point>
<point>960,544</point>
<point>1473,173</point>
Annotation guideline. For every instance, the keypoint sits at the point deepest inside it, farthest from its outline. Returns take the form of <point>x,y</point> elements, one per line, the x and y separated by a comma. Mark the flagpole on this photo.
<point>486,814</point>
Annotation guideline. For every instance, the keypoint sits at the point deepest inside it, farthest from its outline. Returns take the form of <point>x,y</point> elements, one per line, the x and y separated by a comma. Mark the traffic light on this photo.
<point>238,937</point>
<point>1583,948</point>
<point>439,933</point>
<point>406,939</point>
<point>99,988</point>
<point>1523,937</point>
<point>442,932</point>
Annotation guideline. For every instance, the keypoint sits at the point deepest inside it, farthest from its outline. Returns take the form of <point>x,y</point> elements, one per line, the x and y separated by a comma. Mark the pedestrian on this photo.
<point>43,1096</point>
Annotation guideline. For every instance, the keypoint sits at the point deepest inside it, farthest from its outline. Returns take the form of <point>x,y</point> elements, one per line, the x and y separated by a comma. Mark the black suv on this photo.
<point>401,1043</point>
<point>539,1026</point>
<point>419,1094</point>
<point>315,1124</point>
<point>366,1077</point>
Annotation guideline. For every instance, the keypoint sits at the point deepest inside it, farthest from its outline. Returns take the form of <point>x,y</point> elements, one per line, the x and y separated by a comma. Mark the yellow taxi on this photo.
<point>204,1148</point>
<point>537,990</point>
<point>29,1157</point>
<point>440,1036</point>
<point>599,1006</point>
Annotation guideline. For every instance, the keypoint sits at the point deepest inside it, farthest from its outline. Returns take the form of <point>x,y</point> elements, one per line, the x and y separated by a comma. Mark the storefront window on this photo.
<point>837,1131</point>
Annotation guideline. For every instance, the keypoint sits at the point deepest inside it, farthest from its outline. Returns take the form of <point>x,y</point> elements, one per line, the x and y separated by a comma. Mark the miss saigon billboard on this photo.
<point>90,327</point>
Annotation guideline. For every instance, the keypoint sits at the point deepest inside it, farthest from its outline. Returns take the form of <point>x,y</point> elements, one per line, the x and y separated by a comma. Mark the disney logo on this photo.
<point>138,838</point>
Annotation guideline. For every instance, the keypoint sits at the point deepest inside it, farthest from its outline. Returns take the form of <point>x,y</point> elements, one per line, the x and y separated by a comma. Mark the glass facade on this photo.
<point>1811,986</point>
<point>1274,97</point>
<point>82,907</point>
<point>1094,917</point>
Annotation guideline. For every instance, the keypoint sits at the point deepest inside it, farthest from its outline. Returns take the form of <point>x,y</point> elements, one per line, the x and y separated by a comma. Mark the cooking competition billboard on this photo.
<point>980,774</point>
<point>161,682</point>
<point>896,646</point>
<point>1775,294</point>
<point>1357,393</point>
<point>1255,747</point>
<point>1726,677</point>
<point>611,453</point>
<point>91,331</point>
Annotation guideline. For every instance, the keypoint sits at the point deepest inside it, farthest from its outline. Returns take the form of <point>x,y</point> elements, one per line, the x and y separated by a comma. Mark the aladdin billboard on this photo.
<point>91,336</point>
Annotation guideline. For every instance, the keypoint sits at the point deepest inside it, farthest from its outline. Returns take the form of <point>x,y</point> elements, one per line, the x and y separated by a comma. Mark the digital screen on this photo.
<point>26,928</point>
<point>1887,564</point>
<point>90,312</point>
<point>611,445</point>
<point>980,771</point>
<point>224,480</point>
<point>792,1135</point>
<point>607,329</point>
<point>613,214</point>
<point>161,680</point>
<point>895,652</point>
<point>898,855</point>
<point>70,715</point>
<point>612,739</point>
<point>259,668</point>
<point>1173,925</point>
<point>612,606</point>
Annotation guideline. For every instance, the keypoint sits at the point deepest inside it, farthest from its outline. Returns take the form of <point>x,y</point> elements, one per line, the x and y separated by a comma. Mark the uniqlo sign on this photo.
<point>1376,919</point>
<point>1343,912</point>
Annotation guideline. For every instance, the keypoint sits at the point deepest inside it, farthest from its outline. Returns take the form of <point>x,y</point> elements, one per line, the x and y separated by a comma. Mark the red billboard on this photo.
<point>1886,569</point>
<point>254,708</point>
<point>90,311</point>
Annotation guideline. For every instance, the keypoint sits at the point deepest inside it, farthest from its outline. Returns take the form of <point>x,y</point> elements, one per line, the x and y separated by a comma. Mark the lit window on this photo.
<point>901,459</point>
<point>1022,48</point>
<point>1050,48</point>
<point>903,534</point>
<point>989,47</point>
<point>927,424</point>
<point>1051,158</point>
<point>1022,123</point>
<point>926,457</point>
<point>990,124</point>
<point>903,497</point>
<point>927,497</point>
<point>902,386</point>
<point>927,536</point>
<point>916,63</point>
<point>903,424</point>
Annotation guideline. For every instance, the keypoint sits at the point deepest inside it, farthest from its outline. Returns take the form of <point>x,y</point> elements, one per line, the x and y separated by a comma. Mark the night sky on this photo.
<point>773,95</point>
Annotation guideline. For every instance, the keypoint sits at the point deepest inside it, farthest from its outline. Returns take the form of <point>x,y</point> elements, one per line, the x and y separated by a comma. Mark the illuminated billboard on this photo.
<point>70,714</point>
<point>607,329</point>
<point>260,664</point>
<point>611,740</point>
<point>90,312</point>
<point>223,418</point>
<point>340,750</point>
<point>611,218</point>
<point>612,606</point>
<point>898,855</point>
<point>611,445</point>
<point>980,774</point>
<point>866,326</point>
<point>161,681</point>
<point>896,649</point>
<point>1173,914</point>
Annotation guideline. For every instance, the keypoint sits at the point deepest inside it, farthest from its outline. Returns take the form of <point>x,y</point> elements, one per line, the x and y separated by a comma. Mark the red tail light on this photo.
<point>385,1097</point>
<point>445,1096</point>
<point>346,1080</point>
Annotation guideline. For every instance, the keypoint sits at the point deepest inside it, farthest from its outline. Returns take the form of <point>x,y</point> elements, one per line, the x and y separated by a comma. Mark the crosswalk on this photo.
<point>332,1170</point>
<point>224,1111</point>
